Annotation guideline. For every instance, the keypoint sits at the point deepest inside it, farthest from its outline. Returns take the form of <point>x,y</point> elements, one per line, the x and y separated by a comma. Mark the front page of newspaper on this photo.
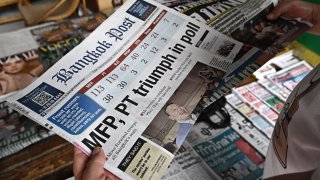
<point>112,90</point>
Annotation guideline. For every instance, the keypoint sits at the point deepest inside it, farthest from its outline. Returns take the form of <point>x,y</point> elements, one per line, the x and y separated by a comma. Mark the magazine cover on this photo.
<point>289,77</point>
<point>19,70</point>
<point>40,47</point>
<point>228,155</point>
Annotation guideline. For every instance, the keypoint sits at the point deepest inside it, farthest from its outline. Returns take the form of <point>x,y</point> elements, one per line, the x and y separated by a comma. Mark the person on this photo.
<point>294,151</point>
<point>183,117</point>
<point>15,74</point>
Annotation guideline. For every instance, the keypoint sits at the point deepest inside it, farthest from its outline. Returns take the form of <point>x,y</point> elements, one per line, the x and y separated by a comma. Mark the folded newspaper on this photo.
<point>136,85</point>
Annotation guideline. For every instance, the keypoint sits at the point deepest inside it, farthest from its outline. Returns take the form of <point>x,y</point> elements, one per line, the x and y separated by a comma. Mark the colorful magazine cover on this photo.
<point>229,156</point>
<point>20,69</point>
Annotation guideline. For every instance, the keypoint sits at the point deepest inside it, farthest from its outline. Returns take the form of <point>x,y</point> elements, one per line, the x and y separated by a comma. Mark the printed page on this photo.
<point>188,165</point>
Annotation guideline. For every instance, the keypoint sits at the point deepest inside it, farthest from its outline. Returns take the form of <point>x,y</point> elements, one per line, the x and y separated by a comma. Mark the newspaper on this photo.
<point>281,93</point>
<point>248,131</point>
<point>265,96</point>
<point>289,77</point>
<point>188,165</point>
<point>245,21</point>
<point>283,61</point>
<point>264,110</point>
<point>131,85</point>
<point>244,120</point>
<point>275,64</point>
<point>255,118</point>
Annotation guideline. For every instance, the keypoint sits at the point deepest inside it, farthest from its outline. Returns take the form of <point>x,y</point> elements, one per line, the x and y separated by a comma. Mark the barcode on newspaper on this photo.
<point>42,98</point>
<point>226,48</point>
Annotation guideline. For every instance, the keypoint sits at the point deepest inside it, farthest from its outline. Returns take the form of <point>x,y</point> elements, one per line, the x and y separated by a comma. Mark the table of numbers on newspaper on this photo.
<point>108,85</point>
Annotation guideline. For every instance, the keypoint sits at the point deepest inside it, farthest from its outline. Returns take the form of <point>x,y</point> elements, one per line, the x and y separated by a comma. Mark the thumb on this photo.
<point>94,169</point>
<point>97,157</point>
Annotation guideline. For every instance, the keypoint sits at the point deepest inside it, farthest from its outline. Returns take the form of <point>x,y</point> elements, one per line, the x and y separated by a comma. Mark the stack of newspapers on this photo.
<point>238,151</point>
<point>136,85</point>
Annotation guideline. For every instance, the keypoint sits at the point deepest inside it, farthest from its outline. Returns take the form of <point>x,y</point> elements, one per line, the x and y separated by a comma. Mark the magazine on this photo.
<point>226,153</point>
<point>20,66</point>
<point>134,86</point>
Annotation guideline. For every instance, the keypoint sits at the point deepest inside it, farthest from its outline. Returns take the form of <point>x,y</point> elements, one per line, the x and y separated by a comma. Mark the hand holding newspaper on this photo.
<point>134,87</point>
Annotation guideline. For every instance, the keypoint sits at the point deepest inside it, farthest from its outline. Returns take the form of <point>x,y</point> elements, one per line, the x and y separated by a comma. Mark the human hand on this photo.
<point>87,168</point>
<point>298,9</point>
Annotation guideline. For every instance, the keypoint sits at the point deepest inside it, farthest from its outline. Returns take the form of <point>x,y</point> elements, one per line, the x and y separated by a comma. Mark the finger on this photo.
<point>79,162</point>
<point>97,157</point>
<point>110,176</point>
<point>280,9</point>
<point>293,9</point>
<point>94,168</point>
